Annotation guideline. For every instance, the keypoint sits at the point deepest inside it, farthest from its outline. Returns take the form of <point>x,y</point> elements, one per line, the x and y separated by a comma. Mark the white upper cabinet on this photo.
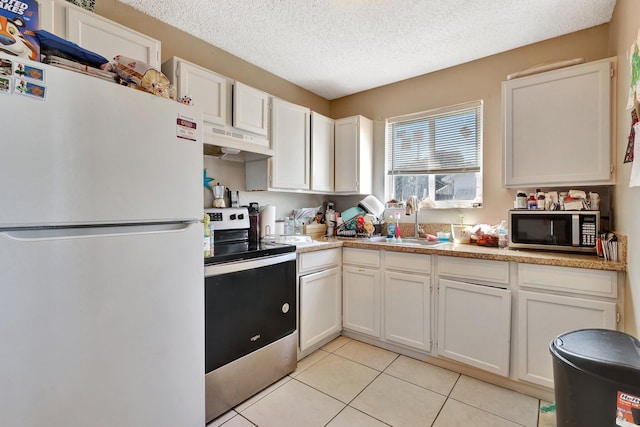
<point>557,127</point>
<point>250,109</point>
<point>322,152</point>
<point>354,155</point>
<point>207,89</point>
<point>97,34</point>
<point>290,140</point>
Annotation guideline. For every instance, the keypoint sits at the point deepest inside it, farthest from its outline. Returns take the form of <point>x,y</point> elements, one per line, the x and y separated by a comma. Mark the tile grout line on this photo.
<point>447,396</point>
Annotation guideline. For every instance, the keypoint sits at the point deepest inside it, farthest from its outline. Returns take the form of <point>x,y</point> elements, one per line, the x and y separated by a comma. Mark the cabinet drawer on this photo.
<point>474,269</point>
<point>403,261</point>
<point>318,260</point>
<point>365,257</point>
<point>569,279</point>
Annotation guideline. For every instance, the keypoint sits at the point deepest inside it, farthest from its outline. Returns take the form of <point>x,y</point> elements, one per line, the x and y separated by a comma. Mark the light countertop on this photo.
<point>478,252</point>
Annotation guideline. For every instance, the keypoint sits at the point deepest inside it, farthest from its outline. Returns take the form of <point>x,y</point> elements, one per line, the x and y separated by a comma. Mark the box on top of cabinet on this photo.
<point>18,22</point>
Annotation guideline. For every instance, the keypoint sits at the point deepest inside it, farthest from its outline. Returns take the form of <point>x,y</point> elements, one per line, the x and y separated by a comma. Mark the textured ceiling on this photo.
<point>338,47</point>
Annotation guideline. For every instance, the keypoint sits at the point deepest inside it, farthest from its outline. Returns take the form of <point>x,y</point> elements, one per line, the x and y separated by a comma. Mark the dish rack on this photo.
<point>349,227</point>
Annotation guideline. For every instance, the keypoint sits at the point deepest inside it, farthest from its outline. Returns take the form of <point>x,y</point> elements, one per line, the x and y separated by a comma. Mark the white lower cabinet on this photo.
<point>320,306</point>
<point>407,299</point>
<point>542,316</point>
<point>319,298</point>
<point>361,291</point>
<point>361,300</point>
<point>474,325</point>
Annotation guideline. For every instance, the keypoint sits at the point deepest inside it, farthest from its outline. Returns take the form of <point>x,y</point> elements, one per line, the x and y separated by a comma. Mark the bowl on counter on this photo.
<point>443,236</point>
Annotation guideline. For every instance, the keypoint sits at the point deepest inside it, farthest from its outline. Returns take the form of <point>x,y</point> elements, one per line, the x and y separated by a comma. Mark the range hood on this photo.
<point>229,143</point>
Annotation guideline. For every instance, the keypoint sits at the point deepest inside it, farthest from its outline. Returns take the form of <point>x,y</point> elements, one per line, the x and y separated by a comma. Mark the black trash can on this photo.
<point>597,378</point>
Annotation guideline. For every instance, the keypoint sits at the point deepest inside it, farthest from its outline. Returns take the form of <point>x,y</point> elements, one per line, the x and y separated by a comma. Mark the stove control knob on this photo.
<point>240,216</point>
<point>232,217</point>
<point>285,307</point>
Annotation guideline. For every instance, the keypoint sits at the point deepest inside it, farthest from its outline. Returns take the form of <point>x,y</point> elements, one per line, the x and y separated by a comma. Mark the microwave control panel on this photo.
<point>589,231</point>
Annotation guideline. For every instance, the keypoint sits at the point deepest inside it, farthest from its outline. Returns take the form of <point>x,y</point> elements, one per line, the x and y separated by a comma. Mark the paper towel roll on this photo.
<point>267,220</point>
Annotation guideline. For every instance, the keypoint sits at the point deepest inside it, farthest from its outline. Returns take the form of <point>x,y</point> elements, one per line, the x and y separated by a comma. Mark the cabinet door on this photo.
<point>407,309</point>
<point>250,109</point>
<point>207,89</point>
<point>557,127</point>
<point>361,300</point>
<point>542,317</point>
<point>109,39</point>
<point>290,139</point>
<point>320,306</point>
<point>322,152</point>
<point>474,325</point>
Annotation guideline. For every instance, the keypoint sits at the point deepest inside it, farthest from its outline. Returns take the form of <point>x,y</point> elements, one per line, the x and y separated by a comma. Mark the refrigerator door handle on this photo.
<point>86,232</point>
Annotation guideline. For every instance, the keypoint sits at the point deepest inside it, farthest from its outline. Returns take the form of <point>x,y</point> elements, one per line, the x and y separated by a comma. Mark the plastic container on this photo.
<point>597,378</point>
<point>521,200</point>
<point>288,226</point>
<point>461,233</point>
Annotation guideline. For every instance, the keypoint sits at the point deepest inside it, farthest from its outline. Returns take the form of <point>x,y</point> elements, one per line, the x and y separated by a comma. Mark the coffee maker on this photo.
<point>218,196</point>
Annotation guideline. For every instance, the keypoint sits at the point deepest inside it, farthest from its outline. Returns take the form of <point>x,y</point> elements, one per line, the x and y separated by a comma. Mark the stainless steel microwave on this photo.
<point>572,231</point>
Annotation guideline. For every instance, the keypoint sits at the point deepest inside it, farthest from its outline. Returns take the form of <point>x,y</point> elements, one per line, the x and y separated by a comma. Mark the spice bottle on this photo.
<point>541,199</point>
<point>532,202</point>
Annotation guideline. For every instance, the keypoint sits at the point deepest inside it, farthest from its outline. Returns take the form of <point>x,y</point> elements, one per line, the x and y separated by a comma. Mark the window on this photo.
<point>436,154</point>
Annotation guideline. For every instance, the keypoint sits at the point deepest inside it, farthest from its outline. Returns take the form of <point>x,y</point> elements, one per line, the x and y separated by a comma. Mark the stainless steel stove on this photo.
<point>250,312</point>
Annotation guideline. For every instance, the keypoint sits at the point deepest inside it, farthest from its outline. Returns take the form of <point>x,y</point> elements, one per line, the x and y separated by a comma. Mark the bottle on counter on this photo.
<point>532,203</point>
<point>391,228</point>
<point>397,233</point>
<point>503,235</point>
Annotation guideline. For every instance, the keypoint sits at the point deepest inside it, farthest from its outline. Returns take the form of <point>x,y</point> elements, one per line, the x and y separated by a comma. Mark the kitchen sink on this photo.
<point>409,241</point>
<point>420,242</point>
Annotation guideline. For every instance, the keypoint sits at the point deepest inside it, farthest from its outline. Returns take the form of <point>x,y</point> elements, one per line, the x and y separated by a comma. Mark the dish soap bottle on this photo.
<point>397,233</point>
<point>391,228</point>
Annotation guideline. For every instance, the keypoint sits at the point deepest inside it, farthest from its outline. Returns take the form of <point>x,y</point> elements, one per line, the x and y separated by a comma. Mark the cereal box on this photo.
<point>18,24</point>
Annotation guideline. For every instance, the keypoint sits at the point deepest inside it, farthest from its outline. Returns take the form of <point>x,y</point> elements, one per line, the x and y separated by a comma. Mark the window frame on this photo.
<point>431,116</point>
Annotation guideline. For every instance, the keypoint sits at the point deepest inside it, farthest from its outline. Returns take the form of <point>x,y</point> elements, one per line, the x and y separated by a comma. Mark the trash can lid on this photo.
<point>605,352</point>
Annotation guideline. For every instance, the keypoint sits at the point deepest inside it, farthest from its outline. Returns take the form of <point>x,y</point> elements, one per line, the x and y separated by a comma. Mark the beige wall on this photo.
<point>624,28</point>
<point>479,79</point>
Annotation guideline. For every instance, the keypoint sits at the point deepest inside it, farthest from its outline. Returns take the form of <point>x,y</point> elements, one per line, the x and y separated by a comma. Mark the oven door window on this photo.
<point>247,310</point>
<point>542,229</point>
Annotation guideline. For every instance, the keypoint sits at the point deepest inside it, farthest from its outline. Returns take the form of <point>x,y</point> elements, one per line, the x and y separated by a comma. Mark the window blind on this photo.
<point>442,141</point>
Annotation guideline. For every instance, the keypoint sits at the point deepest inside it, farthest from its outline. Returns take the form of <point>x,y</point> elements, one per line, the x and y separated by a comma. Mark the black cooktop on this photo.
<point>238,251</point>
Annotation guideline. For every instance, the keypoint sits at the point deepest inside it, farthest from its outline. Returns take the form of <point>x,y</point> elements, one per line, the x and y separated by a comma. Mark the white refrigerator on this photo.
<point>101,271</point>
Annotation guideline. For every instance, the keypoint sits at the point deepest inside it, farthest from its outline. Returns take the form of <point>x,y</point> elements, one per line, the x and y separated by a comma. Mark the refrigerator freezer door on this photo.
<point>102,329</point>
<point>96,152</point>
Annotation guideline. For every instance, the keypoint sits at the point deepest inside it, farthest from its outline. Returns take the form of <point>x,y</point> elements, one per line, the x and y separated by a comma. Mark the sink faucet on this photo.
<point>412,208</point>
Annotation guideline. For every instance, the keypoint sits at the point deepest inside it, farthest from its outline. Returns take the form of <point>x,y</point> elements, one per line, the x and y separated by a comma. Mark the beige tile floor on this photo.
<point>348,383</point>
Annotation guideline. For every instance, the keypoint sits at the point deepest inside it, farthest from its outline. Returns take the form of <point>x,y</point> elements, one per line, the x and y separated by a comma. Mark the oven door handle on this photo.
<point>243,265</point>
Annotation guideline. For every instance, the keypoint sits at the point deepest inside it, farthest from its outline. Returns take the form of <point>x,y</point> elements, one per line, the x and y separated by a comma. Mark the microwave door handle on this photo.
<point>554,239</point>
<point>575,230</point>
